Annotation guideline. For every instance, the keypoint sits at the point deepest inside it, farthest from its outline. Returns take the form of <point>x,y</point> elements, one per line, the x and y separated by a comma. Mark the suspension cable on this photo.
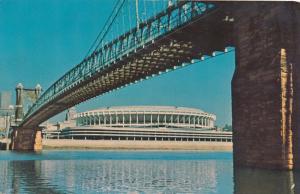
<point>103,32</point>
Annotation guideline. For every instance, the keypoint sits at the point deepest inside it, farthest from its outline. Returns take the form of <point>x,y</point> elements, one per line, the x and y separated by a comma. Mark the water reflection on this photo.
<point>90,176</point>
<point>249,181</point>
<point>105,173</point>
<point>26,177</point>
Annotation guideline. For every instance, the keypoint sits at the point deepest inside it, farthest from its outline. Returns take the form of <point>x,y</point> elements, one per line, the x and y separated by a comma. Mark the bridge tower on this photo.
<point>266,85</point>
<point>19,103</point>
<point>25,138</point>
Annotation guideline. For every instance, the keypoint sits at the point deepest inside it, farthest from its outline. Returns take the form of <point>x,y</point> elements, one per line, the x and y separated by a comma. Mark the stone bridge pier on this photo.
<point>266,85</point>
<point>26,139</point>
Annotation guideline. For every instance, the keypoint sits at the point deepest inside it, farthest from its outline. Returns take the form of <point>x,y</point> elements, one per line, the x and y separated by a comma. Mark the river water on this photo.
<point>136,172</point>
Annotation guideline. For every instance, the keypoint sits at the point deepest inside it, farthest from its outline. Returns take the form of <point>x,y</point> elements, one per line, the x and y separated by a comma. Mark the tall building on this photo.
<point>5,100</point>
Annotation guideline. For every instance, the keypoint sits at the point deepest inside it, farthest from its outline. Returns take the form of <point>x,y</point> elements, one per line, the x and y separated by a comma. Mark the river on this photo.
<point>87,171</point>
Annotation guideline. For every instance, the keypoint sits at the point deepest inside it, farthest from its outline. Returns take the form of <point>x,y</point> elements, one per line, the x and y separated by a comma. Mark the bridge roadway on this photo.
<point>185,33</point>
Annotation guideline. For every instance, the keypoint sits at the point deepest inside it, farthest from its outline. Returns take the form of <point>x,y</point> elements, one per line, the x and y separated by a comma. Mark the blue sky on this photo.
<point>41,39</point>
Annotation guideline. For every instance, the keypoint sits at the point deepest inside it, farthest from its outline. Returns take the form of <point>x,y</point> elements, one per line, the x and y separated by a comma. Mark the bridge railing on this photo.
<point>139,37</point>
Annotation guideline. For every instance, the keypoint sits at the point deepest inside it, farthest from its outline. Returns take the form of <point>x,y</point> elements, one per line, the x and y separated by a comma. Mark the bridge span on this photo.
<point>173,37</point>
<point>265,86</point>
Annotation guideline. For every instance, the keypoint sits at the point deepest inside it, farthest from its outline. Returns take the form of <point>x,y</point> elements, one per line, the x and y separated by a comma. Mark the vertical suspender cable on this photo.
<point>129,15</point>
<point>145,10</point>
<point>154,7</point>
<point>102,33</point>
<point>137,14</point>
<point>123,20</point>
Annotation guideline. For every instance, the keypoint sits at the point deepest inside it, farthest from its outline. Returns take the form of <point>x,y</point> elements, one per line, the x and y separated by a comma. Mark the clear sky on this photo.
<point>41,39</point>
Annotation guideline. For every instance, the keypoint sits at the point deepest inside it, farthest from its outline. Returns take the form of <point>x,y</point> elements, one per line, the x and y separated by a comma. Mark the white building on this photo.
<point>151,123</point>
<point>147,117</point>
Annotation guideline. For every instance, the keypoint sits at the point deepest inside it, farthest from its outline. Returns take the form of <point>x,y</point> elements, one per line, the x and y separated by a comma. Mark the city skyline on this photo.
<point>5,99</point>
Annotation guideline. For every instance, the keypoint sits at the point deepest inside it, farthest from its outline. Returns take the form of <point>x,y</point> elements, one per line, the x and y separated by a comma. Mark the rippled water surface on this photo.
<point>136,172</point>
<point>115,172</point>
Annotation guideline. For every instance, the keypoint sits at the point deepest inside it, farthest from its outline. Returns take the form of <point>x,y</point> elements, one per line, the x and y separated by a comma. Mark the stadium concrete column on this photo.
<point>110,119</point>
<point>129,119</point>
<point>123,119</point>
<point>99,118</point>
<point>201,120</point>
<point>266,85</point>
<point>207,122</point>
<point>117,118</point>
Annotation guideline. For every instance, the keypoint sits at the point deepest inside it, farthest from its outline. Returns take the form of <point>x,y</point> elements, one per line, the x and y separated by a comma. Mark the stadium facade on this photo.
<point>144,123</point>
<point>147,117</point>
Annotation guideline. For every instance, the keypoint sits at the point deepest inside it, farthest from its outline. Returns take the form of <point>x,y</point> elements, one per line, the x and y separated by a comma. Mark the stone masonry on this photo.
<point>24,139</point>
<point>266,85</point>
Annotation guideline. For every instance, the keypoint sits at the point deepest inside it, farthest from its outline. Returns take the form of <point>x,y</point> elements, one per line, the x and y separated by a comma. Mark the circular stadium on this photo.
<point>147,117</point>
<point>141,123</point>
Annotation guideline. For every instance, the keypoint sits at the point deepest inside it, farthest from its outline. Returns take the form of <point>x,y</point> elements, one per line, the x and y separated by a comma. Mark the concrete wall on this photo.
<point>151,145</point>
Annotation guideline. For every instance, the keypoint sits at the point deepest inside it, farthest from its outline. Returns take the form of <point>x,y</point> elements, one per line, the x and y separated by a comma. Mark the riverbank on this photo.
<point>49,144</point>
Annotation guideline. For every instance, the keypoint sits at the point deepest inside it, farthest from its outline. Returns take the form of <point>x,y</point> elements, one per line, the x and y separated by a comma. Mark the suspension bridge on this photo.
<point>153,46</point>
<point>142,39</point>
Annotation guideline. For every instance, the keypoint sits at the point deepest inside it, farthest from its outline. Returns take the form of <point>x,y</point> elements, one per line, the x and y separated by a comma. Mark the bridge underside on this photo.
<point>179,46</point>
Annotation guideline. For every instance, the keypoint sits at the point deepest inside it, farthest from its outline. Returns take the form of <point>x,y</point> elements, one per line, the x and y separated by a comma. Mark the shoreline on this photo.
<point>53,144</point>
